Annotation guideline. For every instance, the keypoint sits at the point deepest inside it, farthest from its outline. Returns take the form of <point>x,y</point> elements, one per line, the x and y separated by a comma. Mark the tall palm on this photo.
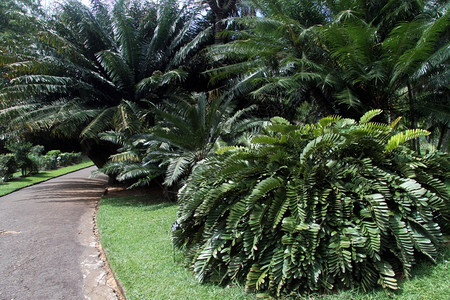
<point>423,69</point>
<point>275,55</point>
<point>347,56</point>
<point>391,69</point>
<point>221,9</point>
<point>90,63</point>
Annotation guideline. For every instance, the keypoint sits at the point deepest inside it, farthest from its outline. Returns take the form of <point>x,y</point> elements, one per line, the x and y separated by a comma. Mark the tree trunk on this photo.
<point>99,152</point>
<point>416,142</point>
<point>323,103</point>
<point>169,192</point>
<point>219,26</point>
<point>443,139</point>
<point>222,9</point>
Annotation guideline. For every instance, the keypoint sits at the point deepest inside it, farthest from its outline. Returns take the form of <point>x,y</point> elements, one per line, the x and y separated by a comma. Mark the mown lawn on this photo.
<point>135,232</point>
<point>136,236</point>
<point>20,182</point>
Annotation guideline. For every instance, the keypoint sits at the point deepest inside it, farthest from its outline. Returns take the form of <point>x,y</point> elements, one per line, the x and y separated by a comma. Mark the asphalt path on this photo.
<point>46,239</point>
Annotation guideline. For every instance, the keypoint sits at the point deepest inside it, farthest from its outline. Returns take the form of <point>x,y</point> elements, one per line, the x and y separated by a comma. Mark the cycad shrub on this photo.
<point>337,204</point>
<point>185,133</point>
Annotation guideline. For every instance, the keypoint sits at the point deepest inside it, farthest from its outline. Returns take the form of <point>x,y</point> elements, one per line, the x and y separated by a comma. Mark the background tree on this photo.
<point>343,56</point>
<point>276,57</point>
<point>221,9</point>
<point>19,22</point>
<point>90,61</point>
<point>16,20</point>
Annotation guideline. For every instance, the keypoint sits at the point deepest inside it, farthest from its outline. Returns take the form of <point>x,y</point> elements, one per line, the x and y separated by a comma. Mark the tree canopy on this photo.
<point>89,62</point>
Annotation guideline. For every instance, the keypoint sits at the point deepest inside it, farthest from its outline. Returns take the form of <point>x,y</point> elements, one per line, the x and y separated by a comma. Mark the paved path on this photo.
<point>47,244</point>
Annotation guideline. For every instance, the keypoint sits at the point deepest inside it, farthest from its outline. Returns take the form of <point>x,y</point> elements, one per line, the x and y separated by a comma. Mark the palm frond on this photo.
<point>402,137</point>
<point>100,123</point>
<point>188,49</point>
<point>126,35</point>
<point>178,167</point>
<point>117,68</point>
<point>370,115</point>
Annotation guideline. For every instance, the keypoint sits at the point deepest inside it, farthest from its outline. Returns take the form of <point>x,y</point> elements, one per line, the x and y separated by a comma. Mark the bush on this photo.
<point>48,162</point>
<point>55,153</point>
<point>37,150</point>
<point>66,158</point>
<point>338,204</point>
<point>51,160</point>
<point>76,157</point>
<point>8,166</point>
<point>55,158</point>
<point>35,155</point>
<point>21,151</point>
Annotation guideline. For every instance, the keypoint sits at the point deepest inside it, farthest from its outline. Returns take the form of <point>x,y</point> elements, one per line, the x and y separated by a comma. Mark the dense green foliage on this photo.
<point>345,56</point>
<point>19,22</point>
<point>86,70</point>
<point>185,133</point>
<point>92,65</point>
<point>8,166</point>
<point>337,204</point>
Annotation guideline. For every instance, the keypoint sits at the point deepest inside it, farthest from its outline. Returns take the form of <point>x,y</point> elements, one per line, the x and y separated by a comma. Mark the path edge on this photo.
<point>116,285</point>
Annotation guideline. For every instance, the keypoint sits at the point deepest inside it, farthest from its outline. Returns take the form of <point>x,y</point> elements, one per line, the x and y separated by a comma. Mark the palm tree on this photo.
<point>222,9</point>
<point>91,63</point>
<point>349,56</point>
<point>186,132</point>
<point>391,68</point>
<point>275,56</point>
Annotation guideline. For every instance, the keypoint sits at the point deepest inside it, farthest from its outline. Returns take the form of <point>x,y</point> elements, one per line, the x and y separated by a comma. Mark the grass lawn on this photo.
<point>20,182</point>
<point>136,236</point>
<point>135,232</point>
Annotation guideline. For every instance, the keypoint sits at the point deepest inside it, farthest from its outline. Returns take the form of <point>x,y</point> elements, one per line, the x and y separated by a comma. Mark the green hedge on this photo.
<point>30,159</point>
<point>55,158</point>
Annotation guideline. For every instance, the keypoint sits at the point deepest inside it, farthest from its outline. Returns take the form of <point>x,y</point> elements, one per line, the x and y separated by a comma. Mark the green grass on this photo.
<point>20,182</point>
<point>429,281</point>
<point>135,232</point>
<point>136,236</point>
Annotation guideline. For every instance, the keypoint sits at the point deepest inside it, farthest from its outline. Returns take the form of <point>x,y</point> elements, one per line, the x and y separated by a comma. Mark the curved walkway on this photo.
<point>47,244</point>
